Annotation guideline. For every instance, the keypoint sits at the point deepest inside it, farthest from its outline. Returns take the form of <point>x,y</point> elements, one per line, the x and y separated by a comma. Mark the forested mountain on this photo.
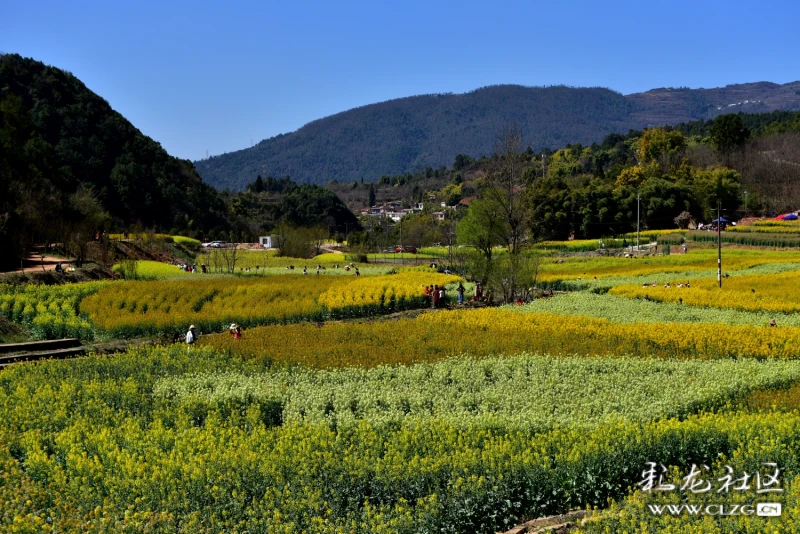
<point>410,134</point>
<point>67,158</point>
<point>71,166</point>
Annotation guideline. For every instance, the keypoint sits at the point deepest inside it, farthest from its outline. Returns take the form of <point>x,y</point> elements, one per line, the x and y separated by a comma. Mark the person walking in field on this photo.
<point>460,290</point>
<point>435,300</point>
<point>191,337</point>
<point>441,296</point>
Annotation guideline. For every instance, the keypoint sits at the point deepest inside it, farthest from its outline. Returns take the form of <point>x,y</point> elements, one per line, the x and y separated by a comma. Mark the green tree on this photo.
<point>728,133</point>
<point>483,228</point>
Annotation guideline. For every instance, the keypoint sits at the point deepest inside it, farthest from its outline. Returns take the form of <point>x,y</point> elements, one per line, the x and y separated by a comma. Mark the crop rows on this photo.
<point>140,308</point>
<point>584,268</point>
<point>86,446</point>
<point>480,333</point>
<point>771,293</point>
<point>750,238</point>
<point>631,310</point>
<point>519,392</point>
<point>49,312</point>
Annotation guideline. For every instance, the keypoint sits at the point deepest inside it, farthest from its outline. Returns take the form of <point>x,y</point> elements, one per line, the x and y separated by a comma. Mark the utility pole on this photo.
<point>402,261</point>
<point>719,244</point>
<point>638,202</point>
<point>745,203</point>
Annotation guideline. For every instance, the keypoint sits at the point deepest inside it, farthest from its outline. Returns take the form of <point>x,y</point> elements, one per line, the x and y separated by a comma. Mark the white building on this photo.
<point>267,241</point>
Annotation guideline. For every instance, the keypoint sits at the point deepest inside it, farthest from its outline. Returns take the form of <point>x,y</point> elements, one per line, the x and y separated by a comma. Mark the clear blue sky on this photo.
<point>202,75</point>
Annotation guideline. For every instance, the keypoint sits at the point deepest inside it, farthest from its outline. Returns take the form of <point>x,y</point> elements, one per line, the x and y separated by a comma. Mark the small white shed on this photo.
<point>267,241</point>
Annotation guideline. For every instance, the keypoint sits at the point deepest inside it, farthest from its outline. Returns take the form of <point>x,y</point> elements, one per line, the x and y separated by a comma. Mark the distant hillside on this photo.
<point>410,134</point>
<point>68,162</point>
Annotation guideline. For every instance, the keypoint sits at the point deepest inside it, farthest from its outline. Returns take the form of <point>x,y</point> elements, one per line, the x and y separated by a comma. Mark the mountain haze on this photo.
<point>413,133</point>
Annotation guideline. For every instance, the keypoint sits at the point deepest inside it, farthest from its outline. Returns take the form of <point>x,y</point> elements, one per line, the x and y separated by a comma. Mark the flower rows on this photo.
<point>778,240</point>
<point>521,392</point>
<point>49,312</point>
<point>773,293</point>
<point>621,309</point>
<point>437,336</point>
<point>696,260</point>
<point>86,446</point>
<point>140,308</point>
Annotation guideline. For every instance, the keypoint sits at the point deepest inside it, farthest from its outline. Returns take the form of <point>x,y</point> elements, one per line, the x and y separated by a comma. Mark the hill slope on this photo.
<point>412,133</point>
<point>58,139</point>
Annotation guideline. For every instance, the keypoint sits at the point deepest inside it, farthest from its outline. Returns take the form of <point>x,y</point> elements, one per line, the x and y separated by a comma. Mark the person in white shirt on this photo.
<point>191,337</point>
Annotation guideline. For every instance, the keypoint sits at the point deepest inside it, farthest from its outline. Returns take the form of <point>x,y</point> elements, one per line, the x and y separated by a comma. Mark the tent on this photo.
<point>789,217</point>
<point>783,217</point>
<point>721,219</point>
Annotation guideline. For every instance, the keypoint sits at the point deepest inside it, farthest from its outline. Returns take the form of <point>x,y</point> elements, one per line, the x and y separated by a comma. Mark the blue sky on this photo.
<point>212,76</point>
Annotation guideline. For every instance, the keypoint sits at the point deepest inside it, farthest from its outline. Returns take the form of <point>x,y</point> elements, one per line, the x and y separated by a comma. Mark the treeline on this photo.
<point>596,191</point>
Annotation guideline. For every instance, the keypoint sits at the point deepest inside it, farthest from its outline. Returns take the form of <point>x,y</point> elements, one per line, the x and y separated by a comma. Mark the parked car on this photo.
<point>412,250</point>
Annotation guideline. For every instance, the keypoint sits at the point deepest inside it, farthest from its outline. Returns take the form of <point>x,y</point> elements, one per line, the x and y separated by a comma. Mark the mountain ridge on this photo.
<point>411,133</point>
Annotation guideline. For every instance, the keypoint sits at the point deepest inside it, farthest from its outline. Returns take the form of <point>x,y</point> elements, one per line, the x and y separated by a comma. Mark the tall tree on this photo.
<point>728,133</point>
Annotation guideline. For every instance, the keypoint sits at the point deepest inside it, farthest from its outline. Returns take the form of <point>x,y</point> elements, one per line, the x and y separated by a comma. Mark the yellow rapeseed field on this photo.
<point>771,292</point>
<point>157,307</point>
<point>440,335</point>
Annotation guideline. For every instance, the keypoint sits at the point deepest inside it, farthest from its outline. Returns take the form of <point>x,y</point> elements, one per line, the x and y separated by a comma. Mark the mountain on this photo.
<point>410,134</point>
<point>68,161</point>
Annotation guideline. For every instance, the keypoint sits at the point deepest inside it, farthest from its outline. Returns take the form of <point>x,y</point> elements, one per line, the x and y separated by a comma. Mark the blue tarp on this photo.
<point>721,219</point>
<point>789,217</point>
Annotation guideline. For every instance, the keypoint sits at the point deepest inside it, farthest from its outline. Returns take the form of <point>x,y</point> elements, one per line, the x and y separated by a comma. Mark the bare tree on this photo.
<point>230,254</point>
<point>318,235</point>
<point>507,186</point>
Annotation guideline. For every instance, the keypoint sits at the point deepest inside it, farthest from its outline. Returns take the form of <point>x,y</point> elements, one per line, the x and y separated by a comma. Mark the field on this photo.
<point>133,309</point>
<point>349,406</point>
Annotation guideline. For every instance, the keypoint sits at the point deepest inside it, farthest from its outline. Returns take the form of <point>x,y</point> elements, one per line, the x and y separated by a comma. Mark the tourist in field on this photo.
<point>358,273</point>
<point>191,337</point>
<point>460,290</point>
<point>435,300</point>
<point>235,331</point>
<point>773,324</point>
<point>441,296</point>
<point>305,271</point>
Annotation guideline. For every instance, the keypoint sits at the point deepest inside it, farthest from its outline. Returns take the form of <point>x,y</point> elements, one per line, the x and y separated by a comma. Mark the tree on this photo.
<point>662,146</point>
<point>728,133</point>
<point>683,220</point>
<point>371,200</point>
<point>230,254</point>
<point>716,183</point>
<point>482,229</point>
<point>507,187</point>
<point>89,218</point>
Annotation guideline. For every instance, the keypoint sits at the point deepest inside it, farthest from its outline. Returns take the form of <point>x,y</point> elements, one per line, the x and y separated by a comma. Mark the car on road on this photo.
<point>412,250</point>
<point>215,244</point>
